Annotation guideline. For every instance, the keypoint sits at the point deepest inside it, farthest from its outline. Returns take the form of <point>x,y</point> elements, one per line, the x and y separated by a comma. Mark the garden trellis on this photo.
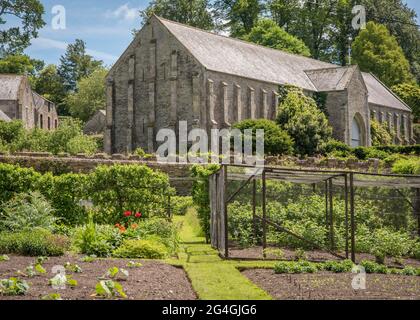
<point>327,210</point>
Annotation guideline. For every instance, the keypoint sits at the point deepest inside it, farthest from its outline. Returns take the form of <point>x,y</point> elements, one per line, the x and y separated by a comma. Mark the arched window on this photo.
<point>356,134</point>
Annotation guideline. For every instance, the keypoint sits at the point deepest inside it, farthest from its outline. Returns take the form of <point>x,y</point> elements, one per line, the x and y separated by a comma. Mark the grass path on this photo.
<point>213,278</point>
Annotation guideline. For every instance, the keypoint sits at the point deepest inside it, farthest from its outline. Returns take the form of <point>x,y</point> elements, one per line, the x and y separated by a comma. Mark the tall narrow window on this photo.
<point>41,121</point>
<point>49,123</point>
<point>356,134</point>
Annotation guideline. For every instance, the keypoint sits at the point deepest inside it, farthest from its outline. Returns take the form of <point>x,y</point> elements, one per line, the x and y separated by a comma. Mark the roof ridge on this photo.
<point>240,40</point>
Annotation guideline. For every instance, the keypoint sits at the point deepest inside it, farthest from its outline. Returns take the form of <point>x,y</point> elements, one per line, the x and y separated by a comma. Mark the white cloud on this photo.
<point>45,43</point>
<point>124,12</point>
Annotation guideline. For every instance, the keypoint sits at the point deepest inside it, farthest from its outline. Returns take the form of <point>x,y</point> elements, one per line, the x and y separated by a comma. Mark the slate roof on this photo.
<point>232,56</point>
<point>4,117</point>
<point>9,86</point>
<point>380,94</point>
<point>331,79</point>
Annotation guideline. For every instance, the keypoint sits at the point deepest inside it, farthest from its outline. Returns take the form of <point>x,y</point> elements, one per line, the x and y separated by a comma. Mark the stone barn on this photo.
<point>19,102</point>
<point>173,72</point>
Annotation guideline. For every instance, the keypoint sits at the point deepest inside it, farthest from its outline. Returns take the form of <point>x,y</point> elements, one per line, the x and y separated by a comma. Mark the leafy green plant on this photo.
<point>13,287</point>
<point>295,267</point>
<point>141,249</point>
<point>180,205</point>
<point>373,267</point>
<point>75,268</point>
<point>61,280</point>
<point>4,258</point>
<point>88,259</point>
<point>109,289</point>
<point>27,211</point>
<point>116,273</point>
<point>409,166</point>
<point>52,296</point>
<point>37,242</point>
<point>133,264</point>
<point>338,266</point>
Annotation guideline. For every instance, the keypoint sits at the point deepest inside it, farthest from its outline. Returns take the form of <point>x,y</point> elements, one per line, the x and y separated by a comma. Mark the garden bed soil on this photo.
<point>334,286</point>
<point>152,281</point>
<point>256,253</point>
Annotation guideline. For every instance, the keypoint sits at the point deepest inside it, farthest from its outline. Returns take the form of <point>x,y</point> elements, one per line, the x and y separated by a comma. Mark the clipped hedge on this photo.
<point>113,190</point>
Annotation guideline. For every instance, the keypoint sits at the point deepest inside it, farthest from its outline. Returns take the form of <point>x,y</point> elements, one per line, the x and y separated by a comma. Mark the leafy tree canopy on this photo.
<point>300,117</point>
<point>76,64</point>
<point>89,97</point>
<point>191,12</point>
<point>410,94</point>
<point>376,50</point>
<point>267,33</point>
<point>14,39</point>
<point>20,64</point>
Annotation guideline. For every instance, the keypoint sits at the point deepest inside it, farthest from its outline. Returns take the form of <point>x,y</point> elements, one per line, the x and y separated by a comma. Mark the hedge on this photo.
<point>112,189</point>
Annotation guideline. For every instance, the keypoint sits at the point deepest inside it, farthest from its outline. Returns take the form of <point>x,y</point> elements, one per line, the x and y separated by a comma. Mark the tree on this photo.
<point>410,94</point>
<point>267,33</point>
<point>402,23</point>
<point>376,51</point>
<point>276,140</point>
<point>20,64</point>
<point>194,13</point>
<point>239,16</point>
<point>75,64</point>
<point>49,84</point>
<point>300,117</point>
<point>89,97</point>
<point>15,38</point>
<point>284,12</point>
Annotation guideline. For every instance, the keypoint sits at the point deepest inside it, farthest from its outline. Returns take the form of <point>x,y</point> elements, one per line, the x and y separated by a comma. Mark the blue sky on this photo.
<point>105,25</point>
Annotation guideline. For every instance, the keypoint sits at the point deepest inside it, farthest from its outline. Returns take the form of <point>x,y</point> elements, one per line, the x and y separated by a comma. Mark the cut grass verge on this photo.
<point>211,277</point>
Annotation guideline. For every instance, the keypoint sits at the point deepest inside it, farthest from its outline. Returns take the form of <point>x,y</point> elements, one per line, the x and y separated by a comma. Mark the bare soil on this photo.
<point>152,281</point>
<point>334,286</point>
<point>315,255</point>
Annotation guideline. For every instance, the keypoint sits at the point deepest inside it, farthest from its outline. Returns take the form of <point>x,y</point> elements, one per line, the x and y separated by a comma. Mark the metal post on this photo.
<point>352,220</point>
<point>416,208</point>
<point>169,206</point>
<point>264,212</point>
<point>254,205</point>
<point>327,208</point>
<point>330,187</point>
<point>346,209</point>
<point>225,212</point>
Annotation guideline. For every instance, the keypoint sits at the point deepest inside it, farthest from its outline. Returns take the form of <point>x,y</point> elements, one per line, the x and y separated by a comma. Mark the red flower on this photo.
<point>127,214</point>
<point>138,215</point>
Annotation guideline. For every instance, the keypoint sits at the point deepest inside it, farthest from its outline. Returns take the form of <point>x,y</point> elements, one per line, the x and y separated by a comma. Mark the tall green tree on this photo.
<point>301,118</point>
<point>238,16</point>
<point>50,85</point>
<point>15,38</point>
<point>89,97</point>
<point>267,33</point>
<point>410,94</point>
<point>76,64</point>
<point>20,64</point>
<point>195,13</point>
<point>283,12</point>
<point>376,50</point>
<point>402,23</point>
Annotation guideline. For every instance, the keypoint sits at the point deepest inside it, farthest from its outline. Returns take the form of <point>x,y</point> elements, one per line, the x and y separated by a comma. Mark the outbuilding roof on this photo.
<point>9,86</point>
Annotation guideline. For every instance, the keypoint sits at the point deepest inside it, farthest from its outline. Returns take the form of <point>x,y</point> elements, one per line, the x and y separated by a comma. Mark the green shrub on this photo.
<point>292,267</point>
<point>37,242</point>
<point>12,135</point>
<point>338,266</point>
<point>135,188</point>
<point>98,240</point>
<point>200,194</point>
<point>25,212</point>
<point>364,153</point>
<point>82,144</point>
<point>141,249</point>
<point>409,166</point>
<point>166,231</point>
<point>336,146</point>
<point>380,135</point>
<point>305,123</point>
<point>180,205</point>
<point>388,243</point>
<point>16,180</point>
<point>276,140</point>
<point>373,267</point>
